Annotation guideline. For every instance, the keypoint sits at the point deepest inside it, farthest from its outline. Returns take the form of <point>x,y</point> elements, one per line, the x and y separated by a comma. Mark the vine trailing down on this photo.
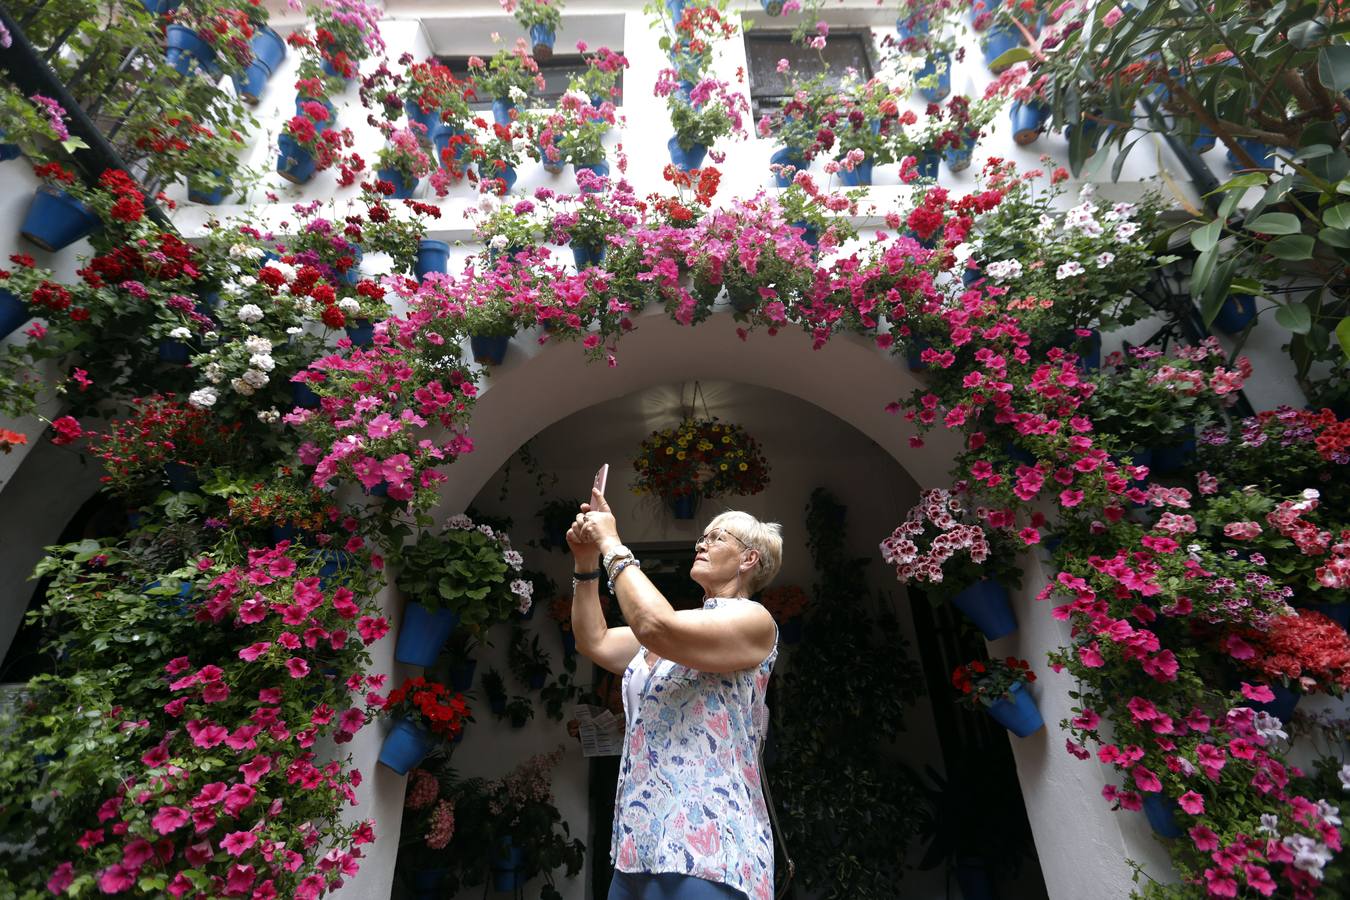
<point>198,656</point>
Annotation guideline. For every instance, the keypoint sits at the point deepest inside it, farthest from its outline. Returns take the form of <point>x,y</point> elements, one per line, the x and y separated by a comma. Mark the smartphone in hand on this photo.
<point>600,478</point>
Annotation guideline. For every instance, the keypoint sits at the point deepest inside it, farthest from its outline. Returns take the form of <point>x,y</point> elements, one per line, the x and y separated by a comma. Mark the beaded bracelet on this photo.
<point>618,569</point>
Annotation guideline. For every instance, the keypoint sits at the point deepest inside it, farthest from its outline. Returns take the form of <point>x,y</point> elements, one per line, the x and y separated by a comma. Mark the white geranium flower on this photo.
<point>262,362</point>
<point>254,378</point>
<point>349,305</point>
<point>1344,776</point>
<point>513,559</point>
<point>1311,493</point>
<point>1069,270</point>
<point>257,344</point>
<point>250,313</point>
<point>269,416</point>
<point>1105,259</point>
<point>210,336</point>
<point>1121,212</point>
<point>287,271</point>
<point>487,204</point>
<point>517,94</point>
<point>1126,230</point>
<point>214,373</point>
<point>1004,270</point>
<point>486,531</point>
<point>460,522</point>
<point>244,251</point>
<point>180,333</point>
<point>242,386</point>
<point>248,281</point>
<point>203,398</point>
<point>1269,727</point>
<point>522,588</point>
<point>498,242</point>
<point>294,329</point>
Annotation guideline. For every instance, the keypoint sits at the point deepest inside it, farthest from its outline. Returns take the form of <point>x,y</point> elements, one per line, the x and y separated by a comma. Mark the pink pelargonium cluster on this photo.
<point>940,509</point>
<point>1287,519</point>
<point>441,825</point>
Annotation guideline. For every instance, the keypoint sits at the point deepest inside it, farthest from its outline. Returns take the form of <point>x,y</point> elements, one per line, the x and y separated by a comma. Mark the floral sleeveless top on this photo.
<point>689,799</point>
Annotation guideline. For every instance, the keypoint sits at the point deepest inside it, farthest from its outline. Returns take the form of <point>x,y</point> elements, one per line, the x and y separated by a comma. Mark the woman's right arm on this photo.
<point>609,648</point>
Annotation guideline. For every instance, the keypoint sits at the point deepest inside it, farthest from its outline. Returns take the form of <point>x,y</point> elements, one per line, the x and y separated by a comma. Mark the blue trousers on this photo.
<point>644,886</point>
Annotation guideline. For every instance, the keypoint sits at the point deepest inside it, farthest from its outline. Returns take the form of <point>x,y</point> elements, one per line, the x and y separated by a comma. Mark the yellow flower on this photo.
<point>669,450</point>
<point>726,439</point>
<point>723,467</point>
<point>743,467</point>
<point>680,455</point>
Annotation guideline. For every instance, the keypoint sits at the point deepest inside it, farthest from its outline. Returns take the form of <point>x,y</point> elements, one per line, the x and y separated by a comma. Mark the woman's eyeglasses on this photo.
<point>716,535</point>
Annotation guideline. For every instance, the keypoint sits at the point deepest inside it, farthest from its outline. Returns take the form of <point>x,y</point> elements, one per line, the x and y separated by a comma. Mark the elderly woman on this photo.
<point>690,821</point>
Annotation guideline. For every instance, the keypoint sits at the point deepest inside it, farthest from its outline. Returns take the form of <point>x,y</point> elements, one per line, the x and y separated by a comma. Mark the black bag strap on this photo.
<point>773,820</point>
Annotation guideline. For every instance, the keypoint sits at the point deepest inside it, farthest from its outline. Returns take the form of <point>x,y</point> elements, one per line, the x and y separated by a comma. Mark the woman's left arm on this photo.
<point>726,639</point>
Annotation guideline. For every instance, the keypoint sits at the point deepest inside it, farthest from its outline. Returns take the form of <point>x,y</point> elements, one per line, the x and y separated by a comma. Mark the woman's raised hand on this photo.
<point>596,524</point>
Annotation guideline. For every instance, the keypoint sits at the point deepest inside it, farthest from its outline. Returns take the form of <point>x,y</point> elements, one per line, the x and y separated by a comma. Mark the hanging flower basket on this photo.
<point>55,219</point>
<point>939,69</point>
<point>507,866</point>
<point>424,633</point>
<point>997,41</point>
<point>428,119</point>
<point>599,169</point>
<point>250,83</point>
<point>699,458</point>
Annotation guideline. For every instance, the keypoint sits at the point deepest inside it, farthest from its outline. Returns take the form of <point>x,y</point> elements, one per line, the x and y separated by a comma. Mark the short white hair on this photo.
<point>766,537</point>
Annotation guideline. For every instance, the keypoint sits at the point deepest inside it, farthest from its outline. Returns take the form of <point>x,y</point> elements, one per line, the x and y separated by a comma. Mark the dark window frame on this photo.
<point>562,65</point>
<point>766,45</point>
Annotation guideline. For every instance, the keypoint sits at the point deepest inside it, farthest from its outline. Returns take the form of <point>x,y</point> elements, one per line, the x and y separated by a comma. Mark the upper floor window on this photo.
<point>848,48</point>
<point>558,71</point>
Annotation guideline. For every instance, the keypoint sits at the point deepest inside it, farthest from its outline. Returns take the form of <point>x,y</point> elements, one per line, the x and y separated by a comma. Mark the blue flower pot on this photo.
<point>970,275</point>
<point>334,562</point>
<point>509,857</point>
<point>1019,715</point>
<point>958,158</point>
<point>361,333</point>
<point>791,631</point>
<point>489,350</point>
<point>294,163</point>
<point>174,351</point>
<point>303,395</point>
<point>325,103</point>
<point>268,47</point>
<point>1017,454</point>
<point>585,256</point>
<point>997,41</point>
<point>773,7</point>
<point>507,176</point>
<point>184,49</point>
<point>787,156</point>
<point>927,165</point>
<point>600,169</point>
<point>428,120</point>
<point>986,604</point>
<point>403,187</point>
<point>507,880</point>
<point>972,876</point>
<point>1282,707</point>
<point>353,272</point>
<point>684,505</point>
<point>8,151</point>
<point>537,679</point>
<point>543,39</point>
<point>425,884</point>
<point>332,72</point>
<point>205,197</point>
<point>938,68</point>
<point>1175,458</point>
<point>1262,153</point>
<point>1161,812</point>
<point>423,634</point>
<point>461,675</point>
<point>861,176</point>
<point>1236,313</point>
<point>675,9</point>
<point>441,138</point>
<point>250,83</point>
<point>432,256</point>
<point>13,313</point>
<point>1204,140</point>
<point>686,159</point>
<point>178,603</point>
<point>56,220</point>
<point>406,745</point>
<point>1027,121</point>
<point>501,111</point>
<point>181,477</point>
<point>161,7</point>
<point>809,233</point>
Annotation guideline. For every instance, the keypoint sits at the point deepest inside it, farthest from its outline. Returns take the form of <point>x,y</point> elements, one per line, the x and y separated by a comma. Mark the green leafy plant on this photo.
<point>469,569</point>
